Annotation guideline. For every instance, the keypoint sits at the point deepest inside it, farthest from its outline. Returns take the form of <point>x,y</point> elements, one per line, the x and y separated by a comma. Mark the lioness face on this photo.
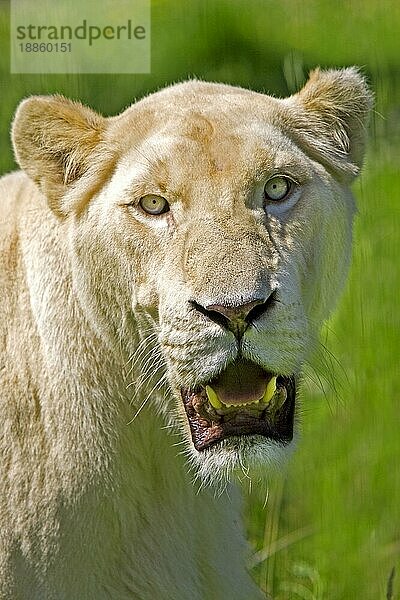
<point>214,223</point>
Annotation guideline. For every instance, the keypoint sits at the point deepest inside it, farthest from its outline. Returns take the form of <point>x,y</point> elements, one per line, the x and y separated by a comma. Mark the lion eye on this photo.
<point>277,188</point>
<point>154,205</point>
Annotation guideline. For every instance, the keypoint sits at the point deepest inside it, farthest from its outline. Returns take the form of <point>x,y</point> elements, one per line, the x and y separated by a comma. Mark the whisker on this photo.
<point>158,384</point>
<point>146,376</point>
<point>142,347</point>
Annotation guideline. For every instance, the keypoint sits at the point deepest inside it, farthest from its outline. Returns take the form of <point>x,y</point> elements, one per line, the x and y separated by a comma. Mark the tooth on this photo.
<point>213,397</point>
<point>269,390</point>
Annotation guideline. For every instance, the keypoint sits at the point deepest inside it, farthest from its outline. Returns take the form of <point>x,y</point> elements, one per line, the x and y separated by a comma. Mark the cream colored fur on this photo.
<point>95,502</point>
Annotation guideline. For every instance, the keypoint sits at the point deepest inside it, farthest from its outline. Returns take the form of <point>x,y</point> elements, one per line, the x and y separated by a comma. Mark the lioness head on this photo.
<point>209,230</point>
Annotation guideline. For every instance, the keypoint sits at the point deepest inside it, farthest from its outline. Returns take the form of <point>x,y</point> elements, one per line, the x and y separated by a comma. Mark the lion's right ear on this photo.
<point>53,138</point>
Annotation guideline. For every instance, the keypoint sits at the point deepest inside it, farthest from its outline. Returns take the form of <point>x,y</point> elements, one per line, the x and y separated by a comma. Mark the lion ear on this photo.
<point>330,115</point>
<point>53,138</point>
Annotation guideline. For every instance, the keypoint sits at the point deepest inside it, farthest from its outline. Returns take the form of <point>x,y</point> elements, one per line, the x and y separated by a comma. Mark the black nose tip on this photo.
<point>236,317</point>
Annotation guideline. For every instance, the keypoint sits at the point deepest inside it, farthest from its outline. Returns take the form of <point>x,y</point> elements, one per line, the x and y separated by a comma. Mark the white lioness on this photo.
<point>163,271</point>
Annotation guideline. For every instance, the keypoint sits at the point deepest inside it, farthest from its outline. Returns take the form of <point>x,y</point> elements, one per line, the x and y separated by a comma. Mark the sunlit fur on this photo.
<point>102,494</point>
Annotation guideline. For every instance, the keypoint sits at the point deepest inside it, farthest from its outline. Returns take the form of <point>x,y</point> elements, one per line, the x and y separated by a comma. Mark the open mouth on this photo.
<point>243,400</point>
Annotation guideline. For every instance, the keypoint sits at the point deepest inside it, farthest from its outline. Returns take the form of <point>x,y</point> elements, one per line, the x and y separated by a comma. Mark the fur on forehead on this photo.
<point>327,117</point>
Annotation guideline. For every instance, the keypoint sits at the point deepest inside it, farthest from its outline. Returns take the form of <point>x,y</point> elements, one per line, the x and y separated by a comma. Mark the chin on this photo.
<point>247,458</point>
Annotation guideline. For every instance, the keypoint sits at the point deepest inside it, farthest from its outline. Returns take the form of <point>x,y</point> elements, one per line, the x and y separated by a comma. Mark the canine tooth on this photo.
<point>269,390</point>
<point>213,397</point>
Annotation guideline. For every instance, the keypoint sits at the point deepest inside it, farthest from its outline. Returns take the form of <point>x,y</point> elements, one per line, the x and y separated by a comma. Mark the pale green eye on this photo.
<point>277,188</point>
<point>154,205</point>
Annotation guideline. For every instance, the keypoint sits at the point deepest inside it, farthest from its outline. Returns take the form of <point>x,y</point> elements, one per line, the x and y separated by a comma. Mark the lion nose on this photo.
<point>235,313</point>
<point>236,317</point>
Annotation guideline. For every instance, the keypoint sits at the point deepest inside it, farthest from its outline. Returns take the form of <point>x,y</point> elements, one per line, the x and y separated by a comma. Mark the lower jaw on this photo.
<point>208,428</point>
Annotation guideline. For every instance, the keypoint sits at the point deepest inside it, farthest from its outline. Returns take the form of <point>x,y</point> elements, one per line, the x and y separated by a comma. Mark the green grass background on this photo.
<point>331,525</point>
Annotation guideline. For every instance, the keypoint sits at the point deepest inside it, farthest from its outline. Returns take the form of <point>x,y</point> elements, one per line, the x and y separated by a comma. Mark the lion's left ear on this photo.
<point>53,140</point>
<point>330,114</point>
